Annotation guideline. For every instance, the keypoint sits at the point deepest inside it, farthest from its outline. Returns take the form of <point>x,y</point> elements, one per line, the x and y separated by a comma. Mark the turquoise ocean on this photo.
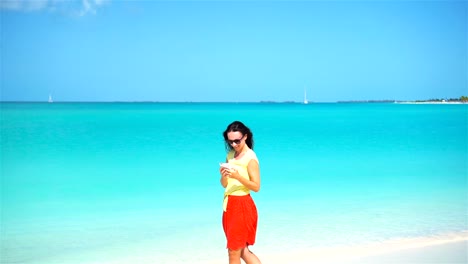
<point>139,182</point>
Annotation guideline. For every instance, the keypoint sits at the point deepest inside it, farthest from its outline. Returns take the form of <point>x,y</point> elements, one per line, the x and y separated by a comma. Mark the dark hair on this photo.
<point>238,126</point>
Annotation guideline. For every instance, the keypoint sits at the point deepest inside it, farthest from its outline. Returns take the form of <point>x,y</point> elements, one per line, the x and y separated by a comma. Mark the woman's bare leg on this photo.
<point>249,257</point>
<point>234,256</point>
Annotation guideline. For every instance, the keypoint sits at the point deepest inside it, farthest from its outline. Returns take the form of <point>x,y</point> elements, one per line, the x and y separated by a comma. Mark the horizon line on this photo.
<point>238,102</point>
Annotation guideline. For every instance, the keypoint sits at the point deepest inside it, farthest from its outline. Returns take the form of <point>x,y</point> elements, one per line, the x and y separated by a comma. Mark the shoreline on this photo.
<point>430,103</point>
<point>449,248</point>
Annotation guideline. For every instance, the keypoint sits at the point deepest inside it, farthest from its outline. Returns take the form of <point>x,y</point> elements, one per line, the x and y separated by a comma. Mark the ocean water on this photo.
<point>139,182</point>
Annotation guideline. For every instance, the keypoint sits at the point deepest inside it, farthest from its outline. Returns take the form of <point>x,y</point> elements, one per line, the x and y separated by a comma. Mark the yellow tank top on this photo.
<point>234,187</point>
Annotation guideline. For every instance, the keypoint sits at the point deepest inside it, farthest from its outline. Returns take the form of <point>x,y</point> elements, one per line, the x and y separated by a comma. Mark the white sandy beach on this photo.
<point>453,252</point>
<point>448,249</point>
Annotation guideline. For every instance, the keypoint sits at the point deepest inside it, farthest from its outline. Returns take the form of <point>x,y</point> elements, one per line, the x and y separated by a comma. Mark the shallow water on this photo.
<point>94,182</point>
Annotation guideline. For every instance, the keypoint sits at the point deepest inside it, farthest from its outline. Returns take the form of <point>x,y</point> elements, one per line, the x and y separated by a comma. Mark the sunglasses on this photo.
<point>237,141</point>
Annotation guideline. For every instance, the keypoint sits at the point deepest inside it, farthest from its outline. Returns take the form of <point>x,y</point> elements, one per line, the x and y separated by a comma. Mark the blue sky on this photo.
<point>206,51</point>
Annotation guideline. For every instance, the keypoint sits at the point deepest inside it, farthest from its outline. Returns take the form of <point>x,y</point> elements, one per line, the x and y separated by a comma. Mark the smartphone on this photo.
<point>225,165</point>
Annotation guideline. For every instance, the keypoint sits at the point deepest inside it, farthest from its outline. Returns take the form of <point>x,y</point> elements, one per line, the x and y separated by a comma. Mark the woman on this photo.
<point>239,176</point>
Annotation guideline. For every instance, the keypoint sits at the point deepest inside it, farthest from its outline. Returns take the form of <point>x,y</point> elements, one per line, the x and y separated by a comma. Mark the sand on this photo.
<point>442,250</point>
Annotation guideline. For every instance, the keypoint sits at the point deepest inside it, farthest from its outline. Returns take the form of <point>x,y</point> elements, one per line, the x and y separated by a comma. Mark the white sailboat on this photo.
<point>305,97</point>
<point>50,99</point>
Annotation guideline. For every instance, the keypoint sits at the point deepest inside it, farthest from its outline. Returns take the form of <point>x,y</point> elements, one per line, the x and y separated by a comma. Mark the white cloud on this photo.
<point>71,7</point>
<point>23,5</point>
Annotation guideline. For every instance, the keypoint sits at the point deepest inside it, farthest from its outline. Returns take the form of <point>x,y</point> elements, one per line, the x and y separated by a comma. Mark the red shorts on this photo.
<point>240,222</point>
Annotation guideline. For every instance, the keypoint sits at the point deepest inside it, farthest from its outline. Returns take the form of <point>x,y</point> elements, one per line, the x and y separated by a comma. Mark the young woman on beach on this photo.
<point>240,175</point>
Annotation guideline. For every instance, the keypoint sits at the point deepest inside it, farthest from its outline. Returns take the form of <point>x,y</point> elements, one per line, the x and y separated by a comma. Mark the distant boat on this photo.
<point>50,99</point>
<point>305,97</point>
